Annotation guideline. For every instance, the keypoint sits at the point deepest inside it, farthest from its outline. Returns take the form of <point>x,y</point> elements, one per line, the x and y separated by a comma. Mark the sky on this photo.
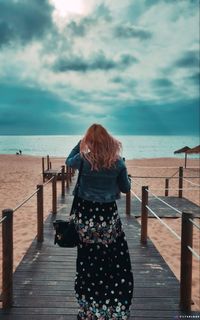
<point>132,66</point>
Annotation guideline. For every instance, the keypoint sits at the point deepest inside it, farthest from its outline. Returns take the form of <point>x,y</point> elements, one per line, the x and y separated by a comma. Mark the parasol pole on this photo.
<point>185,159</point>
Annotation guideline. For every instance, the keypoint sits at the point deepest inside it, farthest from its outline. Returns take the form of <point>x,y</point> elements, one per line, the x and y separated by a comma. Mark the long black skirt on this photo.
<point>104,280</point>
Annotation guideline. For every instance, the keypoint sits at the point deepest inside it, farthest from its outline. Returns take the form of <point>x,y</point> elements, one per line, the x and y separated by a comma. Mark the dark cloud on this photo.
<point>155,2</point>
<point>103,12</point>
<point>160,118</point>
<point>124,84</point>
<point>96,62</point>
<point>33,111</point>
<point>81,27</point>
<point>163,88</point>
<point>77,29</point>
<point>189,59</point>
<point>117,79</point>
<point>162,83</point>
<point>194,78</point>
<point>131,31</point>
<point>24,20</point>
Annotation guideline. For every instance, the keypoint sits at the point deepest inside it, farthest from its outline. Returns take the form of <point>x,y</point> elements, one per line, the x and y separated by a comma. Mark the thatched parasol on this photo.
<point>194,150</point>
<point>183,150</point>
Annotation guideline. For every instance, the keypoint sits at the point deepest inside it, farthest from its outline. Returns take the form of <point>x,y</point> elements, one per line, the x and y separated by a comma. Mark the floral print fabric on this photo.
<point>104,280</point>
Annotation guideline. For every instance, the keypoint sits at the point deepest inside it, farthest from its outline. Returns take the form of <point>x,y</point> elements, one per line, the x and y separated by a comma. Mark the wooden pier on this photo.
<point>44,280</point>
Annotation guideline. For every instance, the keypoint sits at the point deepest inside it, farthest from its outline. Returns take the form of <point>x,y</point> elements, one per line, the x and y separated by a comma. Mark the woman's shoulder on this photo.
<point>120,163</point>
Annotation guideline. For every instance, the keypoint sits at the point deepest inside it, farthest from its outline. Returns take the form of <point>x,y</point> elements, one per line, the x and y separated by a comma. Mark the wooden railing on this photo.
<point>186,238</point>
<point>7,230</point>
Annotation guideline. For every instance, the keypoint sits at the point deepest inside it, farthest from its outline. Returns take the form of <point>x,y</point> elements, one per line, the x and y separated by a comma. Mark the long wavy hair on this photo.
<point>100,148</point>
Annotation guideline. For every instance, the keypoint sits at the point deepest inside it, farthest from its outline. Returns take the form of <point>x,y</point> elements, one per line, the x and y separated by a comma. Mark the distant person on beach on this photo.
<point>19,152</point>
<point>104,280</point>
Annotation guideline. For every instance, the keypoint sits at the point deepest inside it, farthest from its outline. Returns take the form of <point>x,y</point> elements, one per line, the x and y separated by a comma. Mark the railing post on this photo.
<point>48,165</point>
<point>144,215</point>
<point>180,182</point>
<point>128,203</point>
<point>166,187</point>
<point>67,177</point>
<point>63,181</point>
<point>7,263</point>
<point>186,262</point>
<point>40,214</point>
<point>54,195</point>
<point>43,169</point>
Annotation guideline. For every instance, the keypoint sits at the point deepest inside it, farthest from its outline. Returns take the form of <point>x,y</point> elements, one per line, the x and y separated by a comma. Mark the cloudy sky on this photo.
<point>130,65</point>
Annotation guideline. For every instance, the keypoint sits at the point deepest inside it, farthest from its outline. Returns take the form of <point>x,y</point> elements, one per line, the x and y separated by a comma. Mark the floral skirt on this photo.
<point>104,280</point>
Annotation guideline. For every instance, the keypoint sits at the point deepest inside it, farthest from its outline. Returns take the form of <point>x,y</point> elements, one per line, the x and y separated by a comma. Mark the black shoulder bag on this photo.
<point>66,235</point>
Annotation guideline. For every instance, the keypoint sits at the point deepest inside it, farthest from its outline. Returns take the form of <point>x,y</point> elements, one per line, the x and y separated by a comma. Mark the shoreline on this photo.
<point>20,174</point>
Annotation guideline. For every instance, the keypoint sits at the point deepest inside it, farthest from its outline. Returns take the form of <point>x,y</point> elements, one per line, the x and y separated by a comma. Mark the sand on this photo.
<point>19,176</point>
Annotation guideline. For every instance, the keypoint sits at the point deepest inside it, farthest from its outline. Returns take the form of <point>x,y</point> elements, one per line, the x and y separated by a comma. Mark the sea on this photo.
<point>134,146</point>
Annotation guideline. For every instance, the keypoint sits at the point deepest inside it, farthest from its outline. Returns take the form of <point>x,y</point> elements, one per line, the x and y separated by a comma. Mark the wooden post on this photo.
<point>128,203</point>
<point>67,177</point>
<point>63,181</point>
<point>43,169</point>
<point>180,183</point>
<point>144,215</point>
<point>48,165</point>
<point>185,159</point>
<point>54,195</point>
<point>186,262</point>
<point>7,263</point>
<point>166,187</point>
<point>40,214</point>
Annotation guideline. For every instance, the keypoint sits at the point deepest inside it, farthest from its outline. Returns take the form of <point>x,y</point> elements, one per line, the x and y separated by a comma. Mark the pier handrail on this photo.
<point>7,232</point>
<point>158,198</point>
<point>180,179</point>
<point>194,184</point>
<point>186,240</point>
<point>167,204</point>
<point>2,219</point>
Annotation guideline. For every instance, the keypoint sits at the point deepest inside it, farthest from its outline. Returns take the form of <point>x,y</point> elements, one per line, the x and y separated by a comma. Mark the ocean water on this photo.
<point>134,147</point>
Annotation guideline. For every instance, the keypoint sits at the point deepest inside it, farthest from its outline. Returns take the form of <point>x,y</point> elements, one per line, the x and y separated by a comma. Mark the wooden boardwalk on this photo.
<point>162,210</point>
<point>44,280</point>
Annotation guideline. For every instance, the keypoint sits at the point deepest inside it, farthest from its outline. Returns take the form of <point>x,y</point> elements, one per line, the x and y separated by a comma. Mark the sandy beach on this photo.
<point>19,176</point>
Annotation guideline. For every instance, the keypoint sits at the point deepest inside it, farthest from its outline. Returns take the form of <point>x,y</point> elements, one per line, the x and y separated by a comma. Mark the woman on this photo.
<point>104,280</point>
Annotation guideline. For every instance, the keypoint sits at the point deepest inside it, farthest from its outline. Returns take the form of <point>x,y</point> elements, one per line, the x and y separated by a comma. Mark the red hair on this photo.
<point>100,148</point>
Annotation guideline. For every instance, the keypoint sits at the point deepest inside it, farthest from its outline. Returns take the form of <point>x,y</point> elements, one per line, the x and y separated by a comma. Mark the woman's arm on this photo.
<point>124,182</point>
<point>74,158</point>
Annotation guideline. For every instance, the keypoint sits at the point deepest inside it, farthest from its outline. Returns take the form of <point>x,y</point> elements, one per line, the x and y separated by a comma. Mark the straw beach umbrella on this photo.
<point>193,150</point>
<point>183,150</point>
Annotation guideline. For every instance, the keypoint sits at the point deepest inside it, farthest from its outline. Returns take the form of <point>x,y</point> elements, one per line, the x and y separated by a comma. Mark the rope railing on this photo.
<point>146,167</point>
<point>165,224</point>
<point>194,253</point>
<point>167,204</point>
<point>174,174</point>
<point>133,181</point>
<point>186,238</point>
<point>7,230</point>
<point>175,189</point>
<point>44,184</point>
<point>26,200</point>
<point>2,220</point>
<point>194,184</point>
<point>135,195</point>
<point>195,224</point>
<point>153,177</point>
